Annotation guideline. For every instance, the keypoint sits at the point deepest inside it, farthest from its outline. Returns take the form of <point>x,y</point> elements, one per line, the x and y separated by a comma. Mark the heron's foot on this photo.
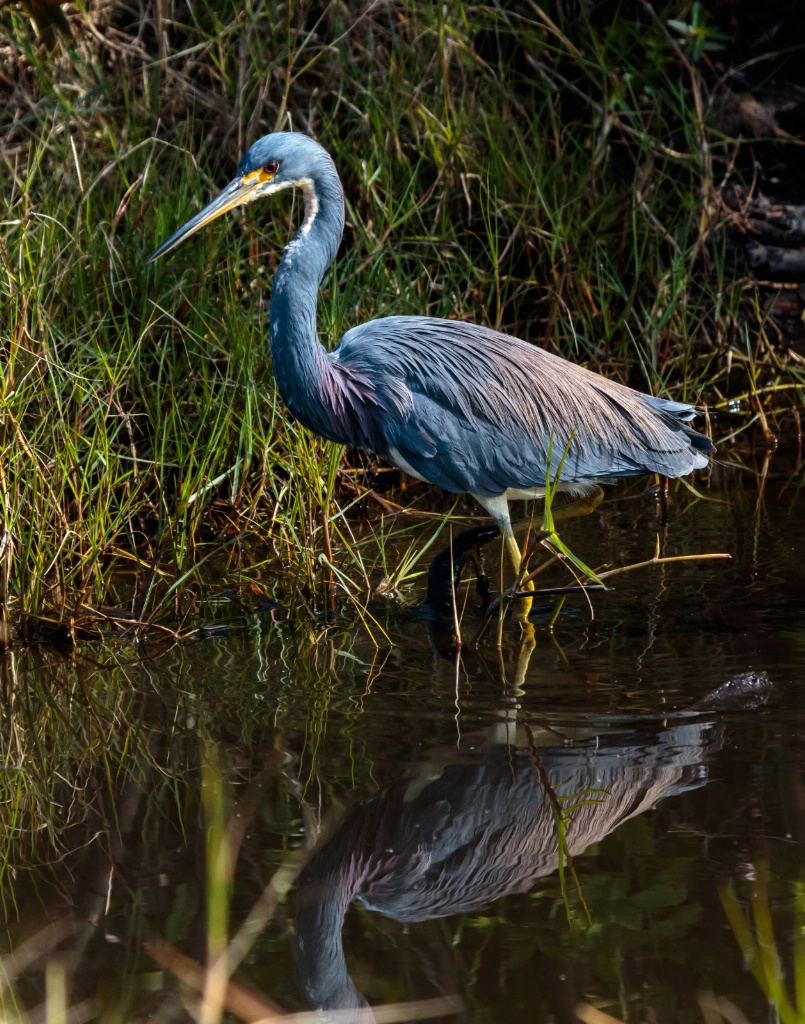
<point>580,507</point>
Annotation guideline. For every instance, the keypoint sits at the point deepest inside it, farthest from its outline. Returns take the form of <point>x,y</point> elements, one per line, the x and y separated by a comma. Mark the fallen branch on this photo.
<point>661,561</point>
<point>548,591</point>
<point>515,591</point>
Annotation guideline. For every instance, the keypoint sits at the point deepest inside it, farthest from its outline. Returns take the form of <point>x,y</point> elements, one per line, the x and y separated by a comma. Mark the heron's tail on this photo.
<point>679,416</point>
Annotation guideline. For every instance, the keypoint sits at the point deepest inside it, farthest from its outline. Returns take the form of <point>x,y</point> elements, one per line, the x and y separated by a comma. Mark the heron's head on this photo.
<point>277,161</point>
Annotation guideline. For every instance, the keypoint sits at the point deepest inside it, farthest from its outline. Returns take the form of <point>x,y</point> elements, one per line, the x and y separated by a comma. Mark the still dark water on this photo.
<point>151,795</point>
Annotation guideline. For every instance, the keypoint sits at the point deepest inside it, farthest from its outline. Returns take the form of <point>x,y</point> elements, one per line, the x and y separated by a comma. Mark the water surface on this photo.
<point>429,800</point>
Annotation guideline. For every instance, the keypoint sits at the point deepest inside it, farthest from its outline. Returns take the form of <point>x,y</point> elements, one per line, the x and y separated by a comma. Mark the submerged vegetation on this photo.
<point>562,179</point>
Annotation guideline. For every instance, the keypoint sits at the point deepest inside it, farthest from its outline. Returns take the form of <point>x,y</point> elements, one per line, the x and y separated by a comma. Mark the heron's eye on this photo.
<point>271,167</point>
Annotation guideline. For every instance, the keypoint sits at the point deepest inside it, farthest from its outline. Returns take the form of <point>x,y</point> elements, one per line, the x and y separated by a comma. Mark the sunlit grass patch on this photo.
<point>561,184</point>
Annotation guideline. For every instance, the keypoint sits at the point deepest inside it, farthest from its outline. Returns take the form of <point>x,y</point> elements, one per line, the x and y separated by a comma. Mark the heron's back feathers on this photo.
<point>474,410</point>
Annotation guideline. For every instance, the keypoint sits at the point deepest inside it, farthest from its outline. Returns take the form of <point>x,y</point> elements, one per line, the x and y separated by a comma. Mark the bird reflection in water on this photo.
<point>466,827</point>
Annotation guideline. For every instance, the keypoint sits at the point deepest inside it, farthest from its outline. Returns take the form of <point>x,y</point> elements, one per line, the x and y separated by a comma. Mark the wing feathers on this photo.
<point>474,410</point>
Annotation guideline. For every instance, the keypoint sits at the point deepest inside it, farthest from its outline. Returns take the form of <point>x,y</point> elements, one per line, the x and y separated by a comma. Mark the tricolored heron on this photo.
<point>448,402</point>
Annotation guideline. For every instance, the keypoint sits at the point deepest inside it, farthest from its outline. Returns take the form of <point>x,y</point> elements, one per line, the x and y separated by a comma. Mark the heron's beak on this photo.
<point>241,190</point>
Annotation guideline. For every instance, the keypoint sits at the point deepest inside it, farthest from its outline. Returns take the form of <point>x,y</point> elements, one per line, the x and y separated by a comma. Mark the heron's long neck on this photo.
<point>300,367</point>
<point>321,908</point>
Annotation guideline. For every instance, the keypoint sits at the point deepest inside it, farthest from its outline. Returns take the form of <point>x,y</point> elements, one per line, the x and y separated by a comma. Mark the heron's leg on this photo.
<point>581,506</point>
<point>498,508</point>
<point>521,608</point>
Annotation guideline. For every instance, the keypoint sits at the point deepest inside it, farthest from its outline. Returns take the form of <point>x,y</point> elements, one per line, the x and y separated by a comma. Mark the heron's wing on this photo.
<point>473,410</point>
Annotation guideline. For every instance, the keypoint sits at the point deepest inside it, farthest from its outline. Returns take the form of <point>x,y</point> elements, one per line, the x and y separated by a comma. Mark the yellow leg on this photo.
<point>521,608</point>
<point>582,506</point>
<point>498,509</point>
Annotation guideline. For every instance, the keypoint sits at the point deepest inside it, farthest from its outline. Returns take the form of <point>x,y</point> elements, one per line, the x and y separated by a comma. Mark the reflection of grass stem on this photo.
<point>220,869</point>
<point>563,818</point>
<point>759,946</point>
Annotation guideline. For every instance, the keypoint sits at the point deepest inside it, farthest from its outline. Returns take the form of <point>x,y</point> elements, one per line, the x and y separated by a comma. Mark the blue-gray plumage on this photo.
<point>455,404</point>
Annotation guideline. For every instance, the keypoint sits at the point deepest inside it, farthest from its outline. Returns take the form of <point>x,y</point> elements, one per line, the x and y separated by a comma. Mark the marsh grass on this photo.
<point>109,774</point>
<point>559,180</point>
